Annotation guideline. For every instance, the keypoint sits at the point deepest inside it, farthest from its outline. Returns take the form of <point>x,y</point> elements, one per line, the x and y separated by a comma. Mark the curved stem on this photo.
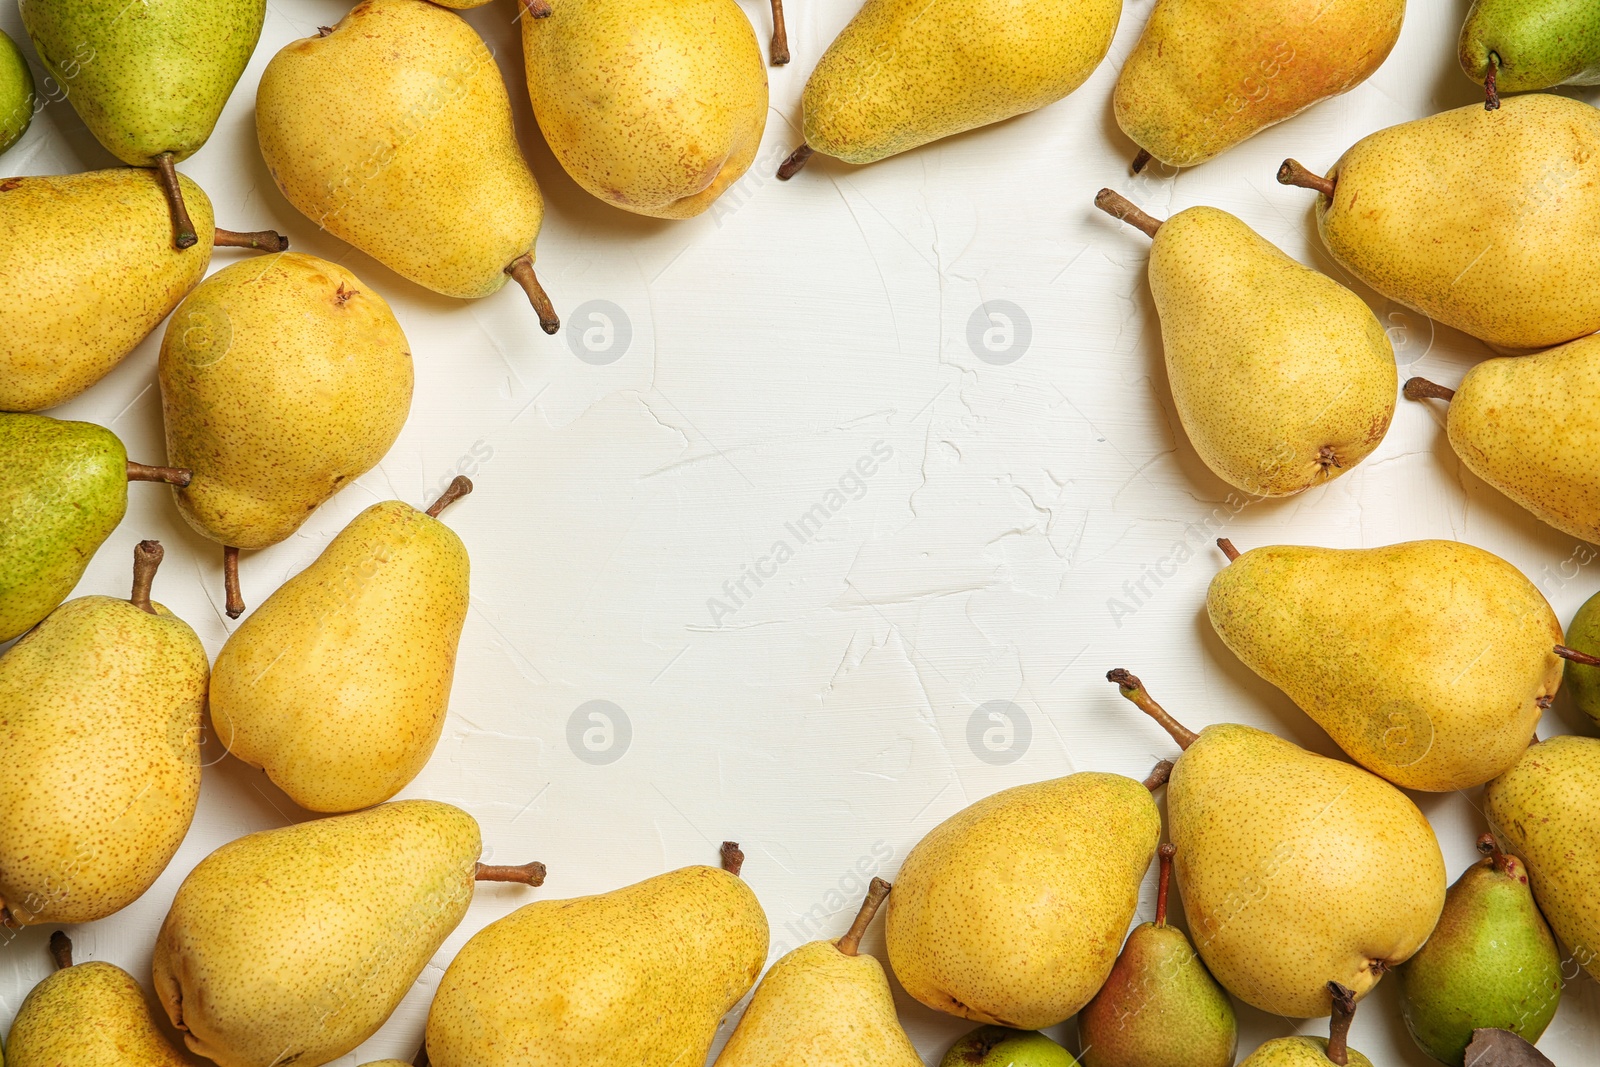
<point>1158,776</point>
<point>61,950</point>
<point>260,240</point>
<point>780,35</point>
<point>877,893</point>
<point>1422,389</point>
<point>1120,207</point>
<point>460,486</point>
<point>1293,173</point>
<point>1165,852</point>
<point>795,161</point>
<point>230,581</point>
<point>1344,1010</point>
<point>1491,848</point>
<point>147,557</point>
<point>1141,161</point>
<point>1228,549</point>
<point>1491,93</point>
<point>183,235</point>
<point>521,270</point>
<point>527,874</point>
<point>1572,655</point>
<point>178,476</point>
<point>1133,689</point>
<point>732,857</point>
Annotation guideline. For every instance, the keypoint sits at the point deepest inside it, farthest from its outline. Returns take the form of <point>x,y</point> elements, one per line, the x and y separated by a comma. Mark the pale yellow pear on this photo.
<point>1293,867</point>
<point>1012,910</point>
<point>1303,1051</point>
<point>654,108</point>
<point>1428,662</point>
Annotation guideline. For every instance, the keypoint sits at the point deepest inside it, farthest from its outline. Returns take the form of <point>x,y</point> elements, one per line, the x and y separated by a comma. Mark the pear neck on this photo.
<point>460,486</point>
<point>732,858</point>
<point>1121,208</point>
<point>147,557</point>
<point>877,893</point>
<point>1344,1012</point>
<point>1133,690</point>
<point>527,874</point>
<point>1163,880</point>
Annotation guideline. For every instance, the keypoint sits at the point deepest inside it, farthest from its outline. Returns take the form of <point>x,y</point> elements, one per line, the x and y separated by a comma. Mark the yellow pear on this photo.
<point>1482,220</point>
<point>1300,1051</point>
<point>637,977</point>
<point>99,753</point>
<point>338,685</point>
<point>392,130</point>
<point>1012,910</point>
<point>654,108</point>
<point>1292,866</point>
<point>1429,662</point>
<point>1283,378</point>
<point>822,1005</point>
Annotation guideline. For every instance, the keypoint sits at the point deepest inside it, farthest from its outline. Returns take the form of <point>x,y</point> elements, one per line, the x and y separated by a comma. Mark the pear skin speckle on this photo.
<point>91,1015</point>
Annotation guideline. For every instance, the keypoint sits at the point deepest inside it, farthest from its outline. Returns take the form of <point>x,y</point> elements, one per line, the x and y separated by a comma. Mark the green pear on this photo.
<point>1428,662</point>
<point>1160,1007</point>
<point>282,380</point>
<point>294,945</point>
<point>904,73</point>
<point>63,489</point>
<point>1547,811</point>
<point>393,131</point>
<point>1000,1046</point>
<point>150,85</point>
<point>88,1015</point>
<point>824,1004</point>
<point>1481,220</point>
<point>1293,866</point>
<point>1283,378</point>
<point>1583,671</point>
<point>338,685</point>
<point>16,93</point>
<point>100,726</point>
<point>1521,423</point>
<point>966,932</point>
<point>637,977</point>
<point>1514,45</point>
<point>1207,75</point>
<point>653,108</point>
<point>1315,1051</point>
<point>1491,962</point>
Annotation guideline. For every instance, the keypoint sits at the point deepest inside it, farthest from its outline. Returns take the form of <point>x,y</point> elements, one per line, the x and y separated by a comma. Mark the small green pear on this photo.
<point>1583,672</point>
<point>1514,45</point>
<point>1000,1046</point>
<point>1160,1007</point>
<point>1491,962</point>
<point>16,93</point>
<point>1316,1051</point>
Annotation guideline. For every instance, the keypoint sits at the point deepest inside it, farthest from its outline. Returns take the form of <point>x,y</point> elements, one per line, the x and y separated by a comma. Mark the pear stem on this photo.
<point>538,9</point>
<point>183,235</point>
<point>1574,656</point>
<point>421,1059</point>
<point>1133,689</point>
<point>877,893</point>
<point>1293,173</point>
<point>527,874</point>
<point>795,162</point>
<point>1344,1011</point>
<point>780,35</point>
<point>1141,161</point>
<point>521,270</point>
<point>1228,549</point>
<point>1491,848</point>
<point>1158,775</point>
<point>460,486</point>
<point>1422,389</point>
<point>140,472</point>
<point>260,240</point>
<point>1120,207</point>
<point>1491,94</point>
<point>230,581</point>
<point>147,557</point>
<point>732,858</point>
<point>61,950</point>
<point>1165,852</point>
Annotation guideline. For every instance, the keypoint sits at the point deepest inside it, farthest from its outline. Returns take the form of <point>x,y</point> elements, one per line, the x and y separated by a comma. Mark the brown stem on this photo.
<point>1158,775</point>
<point>140,472</point>
<point>1344,1010</point>
<point>1491,848</point>
<point>61,950</point>
<point>1228,549</point>
<point>460,486</point>
<point>1572,655</point>
<point>1165,852</point>
<point>422,1057</point>
<point>527,874</point>
<point>538,9</point>
<point>183,235</point>
<point>521,270</point>
<point>1491,95</point>
<point>260,240</point>
<point>732,857</point>
<point>1141,161</point>
<point>1120,207</point>
<point>1293,173</point>
<point>1422,389</point>
<point>877,893</point>
<point>795,162</point>
<point>146,558</point>
<point>1133,689</point>
<point>230,581</point>
<point>780,35</point>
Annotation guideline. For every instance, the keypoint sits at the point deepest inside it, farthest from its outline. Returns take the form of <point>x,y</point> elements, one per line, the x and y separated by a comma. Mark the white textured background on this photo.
<point>770,344</point>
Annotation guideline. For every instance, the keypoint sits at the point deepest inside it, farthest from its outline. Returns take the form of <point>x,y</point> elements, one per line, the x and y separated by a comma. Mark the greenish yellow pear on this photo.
<point>1293,866</point>
<point>1428,662</point>
<point>822,1005</point>
<point>63,489</point>
<point>100,726</point>
<point>17,100</point>
<point>967,934</point>
<point>1283,378</point>
<point>1514,45</point>
<point>904,73</point>
<point>1481,220</point>
<point>294,945</point>
<point>338,685</point>
<point>1302,1051</point>
<point>392,131</point>
<point>282,380</point>
<point>637,977</point>
<point>1546,810</point>
<point>653,108</point>
<point>1206,75</point>
<point>1582,673</point>
<point>1160,1007</point>
<point>1000,1046</point>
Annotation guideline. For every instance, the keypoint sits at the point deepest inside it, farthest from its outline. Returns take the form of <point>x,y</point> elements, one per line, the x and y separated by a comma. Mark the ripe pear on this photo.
<point>282,380</point>
<point>653,108</point>
<point>1283,378</point>
<point>637,977</point>
<point>966,932</point>
<point>1315,1051</point>
<point>1547,811</point>
<point>1514,45</point>
<point>150,84</point>
<point>88,1015</point>
<point>100,729</point>
<point>1521,423</point>
<point>1583,671</point>
<point>1428,662</point>
<point>1491,962</point>
<point>16,94</point>
<point>1293,866</point>
<point>1160,1007</point>
<point>904,73</point>
<point>1205,75</point>
<point>294,945</point>
<point>63,489</point>
<point>393,131</point>
<point>1478,219</point>
<point>999,1046</point>
<point>338,685</point>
